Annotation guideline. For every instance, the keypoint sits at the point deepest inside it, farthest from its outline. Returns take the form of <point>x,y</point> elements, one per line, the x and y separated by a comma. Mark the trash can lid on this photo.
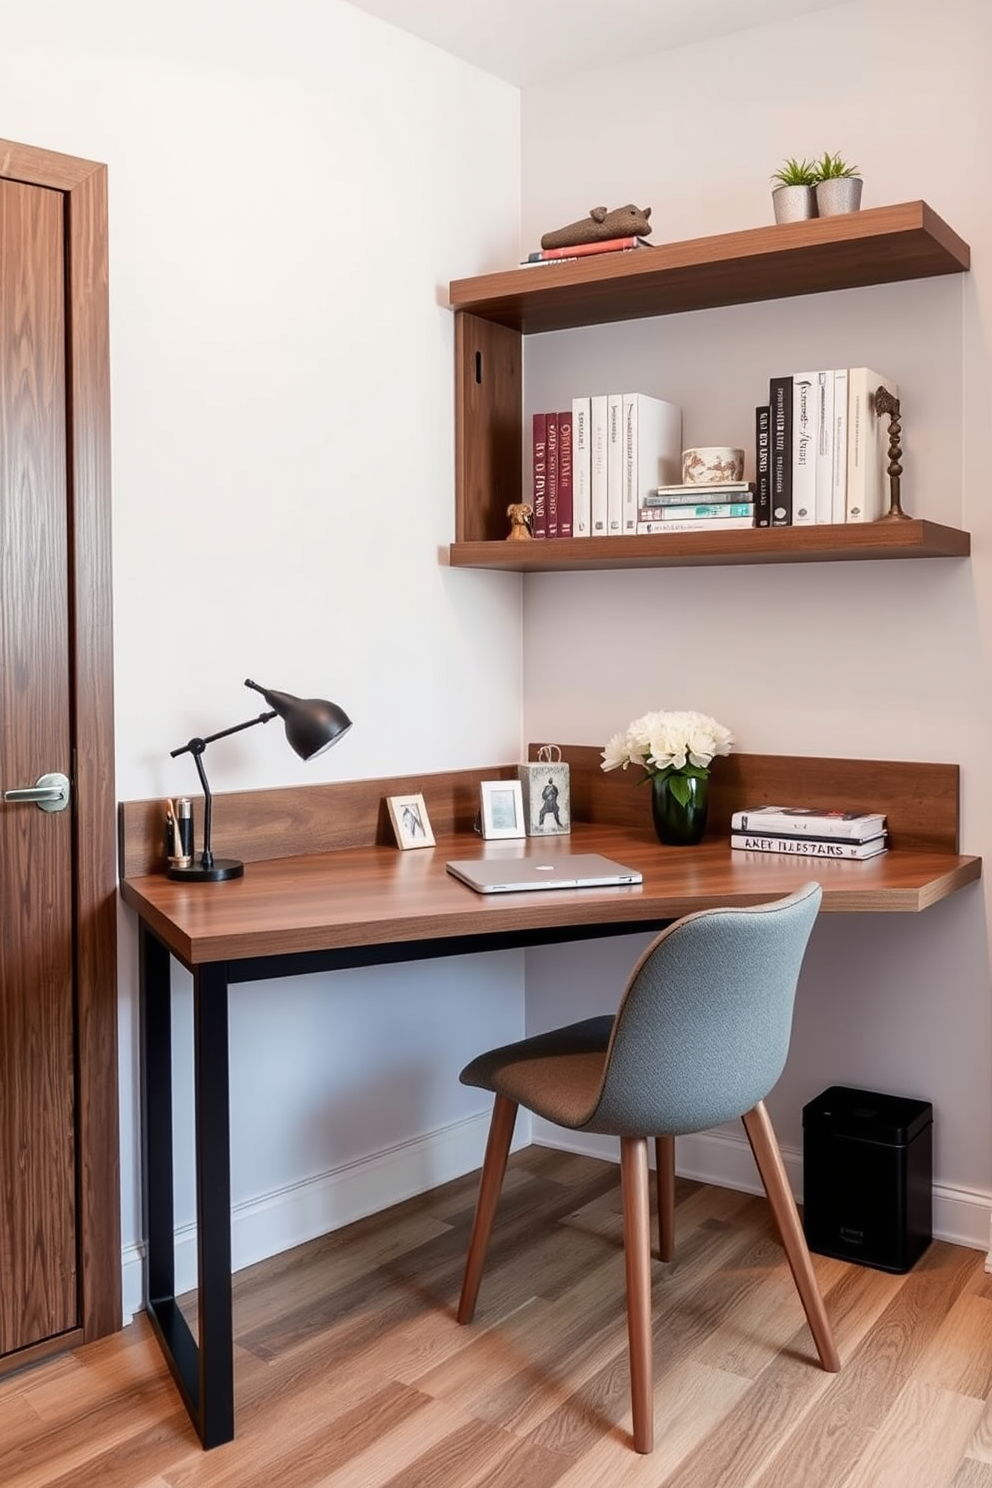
<point>847,1112</point>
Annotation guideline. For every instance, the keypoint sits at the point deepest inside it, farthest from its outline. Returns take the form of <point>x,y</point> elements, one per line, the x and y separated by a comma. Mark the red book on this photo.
<point>539,527</point>
<point>552,430</point>
<point>578,250</point>
<point>565,473</point>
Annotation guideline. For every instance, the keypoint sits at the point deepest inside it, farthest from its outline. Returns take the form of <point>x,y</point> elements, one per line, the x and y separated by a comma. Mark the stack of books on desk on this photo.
<point>689,508</point>
<point>808,832</point>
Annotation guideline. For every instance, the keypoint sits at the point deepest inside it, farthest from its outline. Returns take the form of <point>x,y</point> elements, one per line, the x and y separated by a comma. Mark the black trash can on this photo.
<point>867,1177</point>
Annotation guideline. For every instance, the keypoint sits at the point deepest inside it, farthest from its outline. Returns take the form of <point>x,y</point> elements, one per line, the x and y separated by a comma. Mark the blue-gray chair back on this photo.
<point>703,1027</point>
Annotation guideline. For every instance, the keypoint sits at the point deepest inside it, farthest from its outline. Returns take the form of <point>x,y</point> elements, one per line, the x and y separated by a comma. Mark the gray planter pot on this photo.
<point>841,194</point>
<point>793,203</point>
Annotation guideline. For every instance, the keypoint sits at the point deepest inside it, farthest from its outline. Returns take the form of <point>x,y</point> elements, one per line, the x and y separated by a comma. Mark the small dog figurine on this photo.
<point>600,225</point>
<point>520,515</point>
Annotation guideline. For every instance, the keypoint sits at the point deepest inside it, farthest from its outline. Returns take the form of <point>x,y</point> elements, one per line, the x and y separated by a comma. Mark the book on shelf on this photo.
<point>808,847</point>
<point>584,250</point>
<point>551,426</point>
<point>581,468</point>
<point>809,821</point>
<point>571,258</point>
<point>655,523</point>
<point>838,503</point>
<point>686,513</point>
<point>780,403</point>
<point>762,466</point>
<point>824,445</point>
<point>614,464</point>
<point>565,472</point>
<point>597,450</point>
<point>804,437</point>
<point>652,450</point>
<point>690,494</point>
<point>539,467</point>
<point>867,443</point>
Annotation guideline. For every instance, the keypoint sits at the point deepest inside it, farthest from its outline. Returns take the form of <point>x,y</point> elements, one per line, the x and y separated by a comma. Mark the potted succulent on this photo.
<point>793,197</point>
<point>837,184</point>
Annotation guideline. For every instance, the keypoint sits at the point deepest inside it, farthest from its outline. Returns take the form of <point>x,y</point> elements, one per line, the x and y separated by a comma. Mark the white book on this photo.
<point>838,505</point>
<point>698,524</point>
<point>809,847</point>
<point>803,449</point>
<point>652,450</point>
<point>614,464</point>
<point>581,468</point>
<point>824,445</point>
<point>597,456</point>
<point>798,821</point>
<point>867,446</point>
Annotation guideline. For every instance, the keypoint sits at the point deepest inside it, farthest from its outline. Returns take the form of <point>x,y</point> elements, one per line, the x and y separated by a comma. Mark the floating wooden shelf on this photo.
<point>908,539</point>
<point>881,245</point>
<point>493,314</point>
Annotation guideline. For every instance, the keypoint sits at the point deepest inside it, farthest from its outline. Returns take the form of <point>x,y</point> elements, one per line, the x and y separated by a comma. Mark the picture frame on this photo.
<point>502,809</point>
<point>411,823</point>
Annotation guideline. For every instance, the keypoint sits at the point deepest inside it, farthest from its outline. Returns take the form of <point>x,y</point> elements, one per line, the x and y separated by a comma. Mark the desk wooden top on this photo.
<point>378,895</point>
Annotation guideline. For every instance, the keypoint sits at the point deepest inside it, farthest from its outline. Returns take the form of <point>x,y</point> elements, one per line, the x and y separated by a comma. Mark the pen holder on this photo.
<point>544,785</point>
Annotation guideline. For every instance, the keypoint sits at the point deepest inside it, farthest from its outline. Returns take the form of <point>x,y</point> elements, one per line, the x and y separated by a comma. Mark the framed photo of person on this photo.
<point>411,823</point>
<point>502,808</point>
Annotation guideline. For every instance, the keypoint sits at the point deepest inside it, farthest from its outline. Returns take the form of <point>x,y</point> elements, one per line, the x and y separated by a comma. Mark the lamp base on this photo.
<point>196,873</point>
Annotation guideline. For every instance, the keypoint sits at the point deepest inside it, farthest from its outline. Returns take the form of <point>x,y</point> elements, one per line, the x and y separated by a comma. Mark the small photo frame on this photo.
<point>502,810</point>
<point>411,823</point>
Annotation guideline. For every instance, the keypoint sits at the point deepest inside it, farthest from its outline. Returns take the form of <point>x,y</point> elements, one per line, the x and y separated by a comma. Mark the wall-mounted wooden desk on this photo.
<point>324,891</point>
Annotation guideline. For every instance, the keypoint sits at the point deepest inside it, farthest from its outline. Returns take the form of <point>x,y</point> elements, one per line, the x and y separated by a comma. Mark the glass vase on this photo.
<point>679,823</point>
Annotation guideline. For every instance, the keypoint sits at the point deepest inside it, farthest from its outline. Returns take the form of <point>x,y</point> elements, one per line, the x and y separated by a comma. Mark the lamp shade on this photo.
<point>312,724</point>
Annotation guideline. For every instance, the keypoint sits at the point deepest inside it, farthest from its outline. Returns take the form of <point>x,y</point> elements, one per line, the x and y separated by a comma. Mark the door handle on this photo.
<point>49,792</point>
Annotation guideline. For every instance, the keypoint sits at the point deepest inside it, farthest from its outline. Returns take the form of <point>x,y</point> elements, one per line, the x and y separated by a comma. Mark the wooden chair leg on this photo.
<point>494,1166</point>
<point>768,1157</point>
<point>664,1162</point>
<point>637,1262</point>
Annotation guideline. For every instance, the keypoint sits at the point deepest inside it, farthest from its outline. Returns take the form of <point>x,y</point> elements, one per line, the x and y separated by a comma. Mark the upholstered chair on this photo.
<point>700,1037</point>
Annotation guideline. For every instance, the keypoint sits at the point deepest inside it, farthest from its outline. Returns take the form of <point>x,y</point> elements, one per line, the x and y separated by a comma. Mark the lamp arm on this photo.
<point>207,856</point>
<point>195,747</point>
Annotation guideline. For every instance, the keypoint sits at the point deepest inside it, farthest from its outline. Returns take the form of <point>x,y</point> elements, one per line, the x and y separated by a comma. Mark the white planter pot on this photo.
<point>841,194</point>
<point>793,203</point>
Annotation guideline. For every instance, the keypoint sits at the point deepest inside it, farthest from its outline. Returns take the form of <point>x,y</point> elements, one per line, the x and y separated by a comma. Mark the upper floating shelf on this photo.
<point>881,245</point>
<point>852,540</point>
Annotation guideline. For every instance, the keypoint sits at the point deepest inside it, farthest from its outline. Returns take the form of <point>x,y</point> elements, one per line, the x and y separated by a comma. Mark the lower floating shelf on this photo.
<point>910,538</point>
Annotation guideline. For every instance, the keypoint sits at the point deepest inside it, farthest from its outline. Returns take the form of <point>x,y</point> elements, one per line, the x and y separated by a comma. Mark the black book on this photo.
<point>762,466</point>
<point>780,399</point>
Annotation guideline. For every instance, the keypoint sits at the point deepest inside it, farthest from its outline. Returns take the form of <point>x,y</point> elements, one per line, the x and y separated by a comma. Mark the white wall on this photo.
<point>872,660</point>
<point>291,189</point>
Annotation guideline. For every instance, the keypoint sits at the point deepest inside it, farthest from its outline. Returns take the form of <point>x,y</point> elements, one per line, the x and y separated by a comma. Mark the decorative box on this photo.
<point>545,789</point>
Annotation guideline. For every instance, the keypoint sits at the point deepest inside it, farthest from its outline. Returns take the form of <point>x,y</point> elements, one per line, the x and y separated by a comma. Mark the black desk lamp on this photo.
<point>312,725</point>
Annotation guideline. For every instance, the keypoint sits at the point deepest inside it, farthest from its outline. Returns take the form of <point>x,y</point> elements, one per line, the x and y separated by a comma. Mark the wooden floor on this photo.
<point>351,1371</point>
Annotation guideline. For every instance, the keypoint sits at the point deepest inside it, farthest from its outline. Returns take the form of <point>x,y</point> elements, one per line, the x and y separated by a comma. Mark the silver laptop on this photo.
<point>556,871</point>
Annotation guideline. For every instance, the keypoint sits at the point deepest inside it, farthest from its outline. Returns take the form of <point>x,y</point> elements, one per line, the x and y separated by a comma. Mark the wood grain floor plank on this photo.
<point>959,1356</point>
<point>921,1442</point>
<point>972,1474</point>
<point>690,1402</point>
<point>351,1372</point>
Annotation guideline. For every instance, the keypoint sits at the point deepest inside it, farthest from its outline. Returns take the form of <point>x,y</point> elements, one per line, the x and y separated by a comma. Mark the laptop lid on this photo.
<point>556,871</point>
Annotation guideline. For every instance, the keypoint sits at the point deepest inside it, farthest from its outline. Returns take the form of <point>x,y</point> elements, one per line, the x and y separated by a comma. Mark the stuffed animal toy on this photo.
<point>600,225</point>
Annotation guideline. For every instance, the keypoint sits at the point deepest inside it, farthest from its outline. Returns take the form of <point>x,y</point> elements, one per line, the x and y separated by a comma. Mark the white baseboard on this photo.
<point>290,1216</point>
<point>960,1216</point>
<point>277,1221</point>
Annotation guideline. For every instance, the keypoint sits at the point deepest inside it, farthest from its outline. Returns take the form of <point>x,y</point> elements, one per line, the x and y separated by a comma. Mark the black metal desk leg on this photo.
<point>204,1373</point>
<point>213,1202</point>
<point>156,1061</point>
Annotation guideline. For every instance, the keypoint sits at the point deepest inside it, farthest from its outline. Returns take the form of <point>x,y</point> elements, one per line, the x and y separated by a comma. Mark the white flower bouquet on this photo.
<point>670,746</point>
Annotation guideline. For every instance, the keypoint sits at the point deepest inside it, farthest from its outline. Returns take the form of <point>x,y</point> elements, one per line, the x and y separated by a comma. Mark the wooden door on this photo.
<point>38,1271</point>
<point>78,189</point>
